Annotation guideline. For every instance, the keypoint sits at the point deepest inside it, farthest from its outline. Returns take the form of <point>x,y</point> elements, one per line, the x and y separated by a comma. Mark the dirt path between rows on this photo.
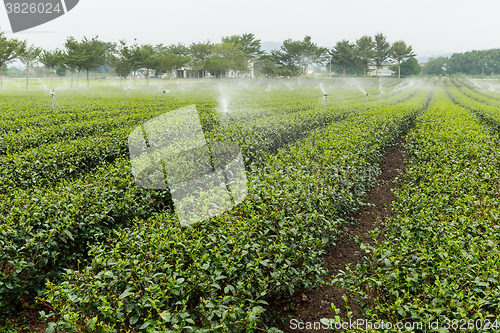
<point>314,304</point>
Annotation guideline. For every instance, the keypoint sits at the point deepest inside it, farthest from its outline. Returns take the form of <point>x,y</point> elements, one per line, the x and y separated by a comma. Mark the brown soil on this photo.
<point>26,320</point>
<point>313,304</point>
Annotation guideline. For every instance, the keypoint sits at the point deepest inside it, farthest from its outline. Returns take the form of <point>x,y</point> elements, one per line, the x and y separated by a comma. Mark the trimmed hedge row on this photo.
<point>438,259</point>
<point>216,275</point>
<point>50,163</point>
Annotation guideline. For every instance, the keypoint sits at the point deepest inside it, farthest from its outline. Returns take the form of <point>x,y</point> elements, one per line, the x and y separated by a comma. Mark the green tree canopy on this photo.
<point>51,60</point>
<point>135,57</point>
<point>302,53</point>
<point>9,50</point>
<point>226,56</point>
<point>343,54</point>
<point>29,56</point>
<point>285,63</point>
<point>200,52</point>
<point>399,52</point>
<point>74,57</point>
<point>61,71</point>
<point>408,67</point>
<point>116,59</point>
<point>435,66</point>
<point>364,51</point>
<point>381,50</point>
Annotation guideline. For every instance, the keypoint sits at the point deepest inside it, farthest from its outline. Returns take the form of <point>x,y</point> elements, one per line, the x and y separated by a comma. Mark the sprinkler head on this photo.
<point>326,95</point>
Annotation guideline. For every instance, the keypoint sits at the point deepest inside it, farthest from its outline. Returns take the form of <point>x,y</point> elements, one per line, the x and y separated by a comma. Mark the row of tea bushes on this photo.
<point>476,94</point>
<point>487,113</point>
<point>493,95</point>
<point>216,275</point>
<point>50,163</point>
<point>438,259</point>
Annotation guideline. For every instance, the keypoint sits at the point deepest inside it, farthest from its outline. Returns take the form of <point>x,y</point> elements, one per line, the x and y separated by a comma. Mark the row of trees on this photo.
<point>297,56</point>
<point>470,63</point>
<point>235,53</point>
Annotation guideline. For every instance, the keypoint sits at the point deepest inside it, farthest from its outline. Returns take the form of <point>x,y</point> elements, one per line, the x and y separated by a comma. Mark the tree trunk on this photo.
<point>376,73</point>
<point>96,74</point>
<point>135,74</point>
<point>27,74</point>
<point>147,77</point>
<point>78,79</point>
<point>1,78</point>
<point>364,67</point>
<point>399,70</point>
<point>343,70</point>
<point>88,79</point>
<point>71,70</point>
<point>51,76</point>
<point>120,73</point>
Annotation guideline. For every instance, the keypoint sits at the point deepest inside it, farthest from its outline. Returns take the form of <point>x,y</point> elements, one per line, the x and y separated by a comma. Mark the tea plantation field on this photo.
<point>104,255</point>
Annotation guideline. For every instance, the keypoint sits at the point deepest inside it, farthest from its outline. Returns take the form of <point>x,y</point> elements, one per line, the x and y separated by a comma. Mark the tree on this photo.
<point>150,59</point>
<point>166,63</point>
<point>135,57</point>
<point>98,54</point>
<point>226,57</point>
<point>200,52</point>
<point>435,66</point>
<point>408,67</point>
<point>51,60</point>
<point>400,51</point>
<point>180,53</point>
<point>381,50</point>
<point>285,61</point>
<point>61,71</point>
<point>73,57</point>
<point>117,60</point>
<point>248,44</point>
<point>268,66</point>
<point>302,53</point>
<point>9,50</point>
<point>94,54</point>
<point>29,56</point>
<point>343,54</point>
<point>364,51</point>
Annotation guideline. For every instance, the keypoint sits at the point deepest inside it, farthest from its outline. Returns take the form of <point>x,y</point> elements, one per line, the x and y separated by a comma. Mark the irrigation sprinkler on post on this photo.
<point>324,101</point>
<point>227,119</point>
<point>52,93</point>
<point>366,97</point>
<point>164,91</point>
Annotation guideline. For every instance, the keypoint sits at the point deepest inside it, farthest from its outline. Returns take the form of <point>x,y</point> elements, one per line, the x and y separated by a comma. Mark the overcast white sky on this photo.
<point>430,26</point>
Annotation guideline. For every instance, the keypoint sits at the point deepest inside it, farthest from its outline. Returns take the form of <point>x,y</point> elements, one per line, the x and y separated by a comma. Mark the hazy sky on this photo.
<point>430,26</point>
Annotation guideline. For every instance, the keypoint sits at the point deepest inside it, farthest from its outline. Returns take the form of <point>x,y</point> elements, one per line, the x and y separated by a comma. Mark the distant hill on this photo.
<point>424,59</point>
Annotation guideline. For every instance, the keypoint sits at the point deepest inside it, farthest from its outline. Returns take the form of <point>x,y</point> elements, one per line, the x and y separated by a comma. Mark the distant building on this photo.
<point>383,69</point>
